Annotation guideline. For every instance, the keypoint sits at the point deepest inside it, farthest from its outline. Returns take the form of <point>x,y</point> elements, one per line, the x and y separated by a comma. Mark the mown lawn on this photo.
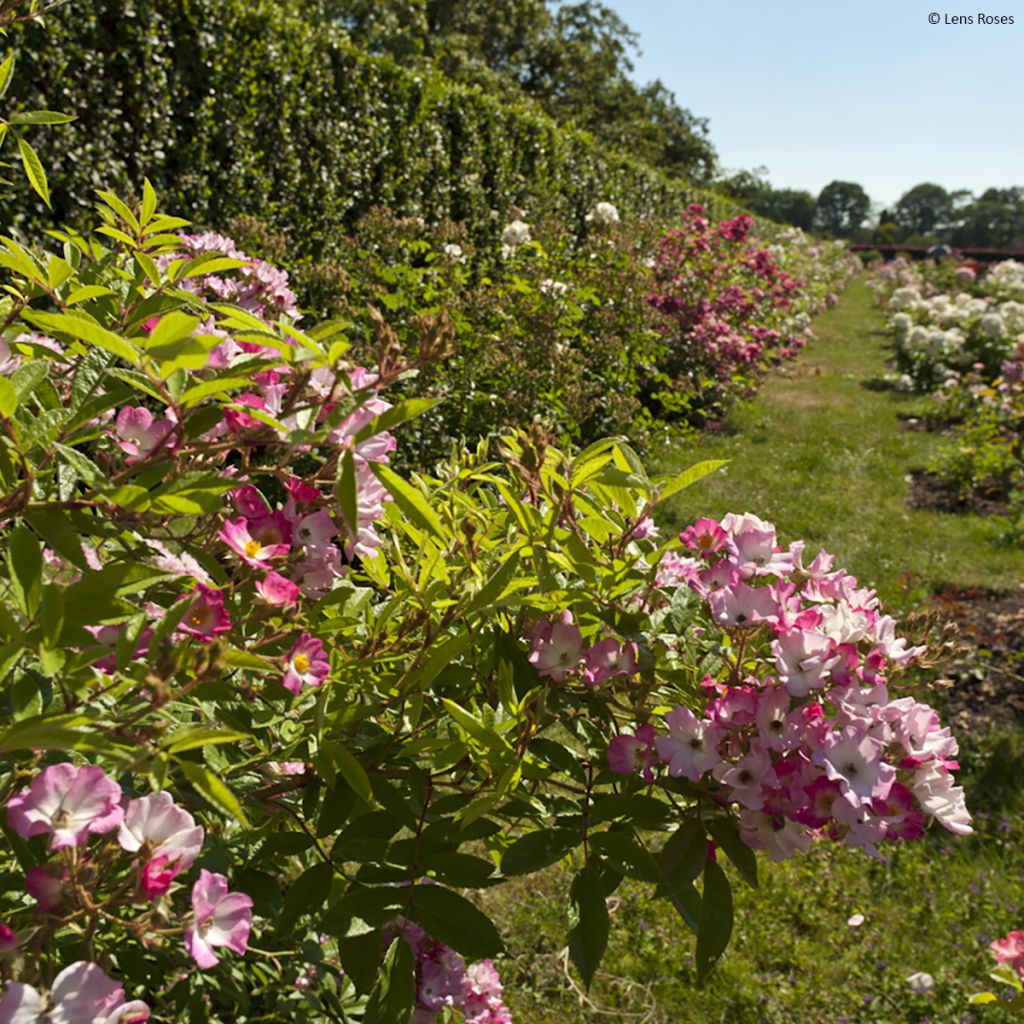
<point>824,457</point>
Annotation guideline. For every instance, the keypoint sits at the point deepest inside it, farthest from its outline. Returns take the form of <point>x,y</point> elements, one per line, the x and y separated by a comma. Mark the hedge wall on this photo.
<point>241,107</point>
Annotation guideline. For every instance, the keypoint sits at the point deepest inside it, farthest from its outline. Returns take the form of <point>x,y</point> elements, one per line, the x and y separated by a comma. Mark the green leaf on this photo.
<point>120,207</point>
<point>682,858</point>
<point>715,919</point>
<point>34,170</point>
<point>208,263</point>
<point>412,502</point>
<point>60,533</point>
<point>351,770</point>
<point>359,954</point>
<point>51,614</point>
<point>214,790</point>
<point>538,850</point>
<point>458,869</point>
<point>82,465</point>
<point>346,492</point>
<point>216,386</point>
<point>86,292</point>
<point>189,737</point>
<point>626,855</point>
<point>87,330</point>
<point>496,586</point>
<point>743,857</point>
<point>588,922</point>
<point>392,997</point>
<point>672,485</point>
<point>148,203</point>
<point>308,893</point>
<point>172,327</point>
<point>8,398</point>
<point>6,70</point>
<point>400,413</point>
<point>54,732</point>
<point>455,921</point>
<point>25,564</point>
<point>41,117</point>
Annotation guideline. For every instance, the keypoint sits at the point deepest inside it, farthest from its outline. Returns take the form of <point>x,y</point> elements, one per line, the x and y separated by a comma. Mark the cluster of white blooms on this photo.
<point>1007,277</point>
<point>934,341</point>
<point>514,235</point>
<point>603,215</point>
<point>454,252</point>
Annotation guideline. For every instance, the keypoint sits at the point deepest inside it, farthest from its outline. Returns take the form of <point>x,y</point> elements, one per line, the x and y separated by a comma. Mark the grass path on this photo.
<point>824,457</point>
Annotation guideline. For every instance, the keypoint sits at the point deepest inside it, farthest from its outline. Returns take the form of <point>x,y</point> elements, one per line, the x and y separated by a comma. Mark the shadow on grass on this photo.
<point>993,771</point>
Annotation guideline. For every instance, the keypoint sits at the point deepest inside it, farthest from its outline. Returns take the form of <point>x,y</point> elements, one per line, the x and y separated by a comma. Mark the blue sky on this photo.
<point>860,90</point>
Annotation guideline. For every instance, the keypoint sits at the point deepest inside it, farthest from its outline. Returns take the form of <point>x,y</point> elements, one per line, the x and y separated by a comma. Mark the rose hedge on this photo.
<point>274,711</point>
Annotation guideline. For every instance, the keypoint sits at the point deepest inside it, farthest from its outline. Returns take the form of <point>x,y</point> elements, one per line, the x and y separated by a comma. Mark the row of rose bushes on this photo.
<point>958,335</point>
<point>623,328</point>
<point>272,709</point>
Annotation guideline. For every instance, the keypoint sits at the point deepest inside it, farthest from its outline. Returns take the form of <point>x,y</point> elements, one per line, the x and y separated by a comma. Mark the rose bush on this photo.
<point>271,708</point>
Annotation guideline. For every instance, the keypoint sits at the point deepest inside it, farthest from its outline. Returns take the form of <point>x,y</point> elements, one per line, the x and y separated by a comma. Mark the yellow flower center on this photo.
<point>252,548</point>
<point>301,663</point>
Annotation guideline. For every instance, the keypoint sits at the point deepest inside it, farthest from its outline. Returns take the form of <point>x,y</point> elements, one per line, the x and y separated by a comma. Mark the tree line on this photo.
<point>924,215</point>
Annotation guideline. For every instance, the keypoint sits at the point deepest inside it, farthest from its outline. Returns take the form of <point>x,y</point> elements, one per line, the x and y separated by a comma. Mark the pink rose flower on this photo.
<point>207,617</point>
<point>72,803</point>
<point>306,664</point>
<point>278,591</point>
<point>221,919</point>
<point>45,884</point>
<point>81,994</point>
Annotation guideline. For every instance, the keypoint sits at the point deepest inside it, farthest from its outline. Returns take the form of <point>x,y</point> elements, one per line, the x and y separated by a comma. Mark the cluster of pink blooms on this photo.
<point>443,980</point>
<point>72,804</point>
<point>258,287</point>
<point>722,292</point>
<point>1010,950</point>
<point>557,652</point>
<point>294,551</point>
<point>805,738</point>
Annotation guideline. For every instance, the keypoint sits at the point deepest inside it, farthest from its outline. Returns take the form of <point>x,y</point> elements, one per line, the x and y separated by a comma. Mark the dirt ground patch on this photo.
<point>986,681</point>
<point>929,493</point>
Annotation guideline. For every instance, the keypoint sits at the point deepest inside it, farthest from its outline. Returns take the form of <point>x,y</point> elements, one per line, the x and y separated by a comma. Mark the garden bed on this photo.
<point>929,493</point>
<point>986,680</point>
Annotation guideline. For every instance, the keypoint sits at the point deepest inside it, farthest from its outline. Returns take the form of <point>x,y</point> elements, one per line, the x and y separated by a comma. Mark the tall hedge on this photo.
<point>242,107</point>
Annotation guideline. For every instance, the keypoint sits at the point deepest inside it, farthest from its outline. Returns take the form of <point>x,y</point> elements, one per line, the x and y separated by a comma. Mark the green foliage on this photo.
<point>234,108</point>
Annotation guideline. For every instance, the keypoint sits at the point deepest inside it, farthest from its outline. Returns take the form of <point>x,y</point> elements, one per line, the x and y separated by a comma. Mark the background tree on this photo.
<point>925,210</point>
<point>574,60</point>
<point>783,205</point>
<point>841,208</point>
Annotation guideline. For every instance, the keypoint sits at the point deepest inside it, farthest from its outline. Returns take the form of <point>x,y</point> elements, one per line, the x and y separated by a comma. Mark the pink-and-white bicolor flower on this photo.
<point>557,647</point>
<point>306,664</point>
<point>167,835</point>
<point>81,994</point>
<point>207,617</point>
<point>72,803</point>
<point>691,747</point>
<point>854,758</point>
<point>139,435</point>
<point>742,606</point>
<point>628,754</point>
<point>276,590</point>
<point>607,659</point>
<point>221,918</point>
<point>256,542</point>
<point>803,658</point>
